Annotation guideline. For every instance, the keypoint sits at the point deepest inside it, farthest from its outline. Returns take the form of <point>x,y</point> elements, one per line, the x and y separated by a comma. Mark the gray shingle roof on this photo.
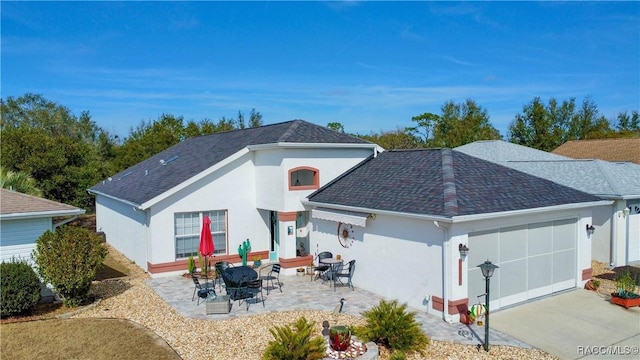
<point>442,182</point>
<point>150,178</point>
<point>597,177</point>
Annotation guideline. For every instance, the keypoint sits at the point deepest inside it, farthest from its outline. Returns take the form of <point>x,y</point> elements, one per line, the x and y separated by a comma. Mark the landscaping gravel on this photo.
<point>243,338</point>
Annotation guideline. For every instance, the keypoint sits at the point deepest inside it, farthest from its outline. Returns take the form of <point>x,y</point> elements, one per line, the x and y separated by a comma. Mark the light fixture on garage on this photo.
<point>626,211</point>
<point>464,250</point>
<point>590,229</point>
<point>487,269</point>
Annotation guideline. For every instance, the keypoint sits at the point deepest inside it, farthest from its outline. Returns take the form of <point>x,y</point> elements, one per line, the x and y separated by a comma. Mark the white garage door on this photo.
<point>534,260</point>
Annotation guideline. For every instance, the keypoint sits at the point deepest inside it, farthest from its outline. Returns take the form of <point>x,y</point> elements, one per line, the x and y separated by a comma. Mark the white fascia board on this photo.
<point>195,178</point>
<point>347,217</point>
<point>488,216</point>
<point>137,206</point>
<point>314,205</point>
<point>41,214</point>
<point>315,145</point>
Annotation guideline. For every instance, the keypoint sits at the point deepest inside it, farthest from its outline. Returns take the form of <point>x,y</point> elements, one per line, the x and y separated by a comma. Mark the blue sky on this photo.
<point>368,65</point>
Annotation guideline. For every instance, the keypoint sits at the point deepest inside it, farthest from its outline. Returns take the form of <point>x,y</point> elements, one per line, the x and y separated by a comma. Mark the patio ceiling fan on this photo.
<point>345,234</point>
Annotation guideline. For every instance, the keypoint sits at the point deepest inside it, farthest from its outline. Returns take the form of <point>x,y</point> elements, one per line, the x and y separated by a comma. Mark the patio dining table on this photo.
<point>334,264</point>
<point>234,276</point>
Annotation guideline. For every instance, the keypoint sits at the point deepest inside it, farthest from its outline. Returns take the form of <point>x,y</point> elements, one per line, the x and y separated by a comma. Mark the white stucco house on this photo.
<point>249,182</point>
<point>406,214</point>
<point>24,218</point>
<point>616,237</point>
<point>422,206</point>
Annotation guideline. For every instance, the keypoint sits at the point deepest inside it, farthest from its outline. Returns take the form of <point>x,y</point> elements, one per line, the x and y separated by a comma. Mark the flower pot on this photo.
<point>339,337</point>
<point>627,300</point>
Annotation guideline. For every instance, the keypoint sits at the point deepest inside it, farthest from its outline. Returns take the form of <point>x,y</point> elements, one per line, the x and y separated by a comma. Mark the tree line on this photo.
<point>48,151</point>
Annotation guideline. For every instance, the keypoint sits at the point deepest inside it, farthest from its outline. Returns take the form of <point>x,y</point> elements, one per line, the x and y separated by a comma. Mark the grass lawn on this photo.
<point>40,335</point>
<point>82,339</point>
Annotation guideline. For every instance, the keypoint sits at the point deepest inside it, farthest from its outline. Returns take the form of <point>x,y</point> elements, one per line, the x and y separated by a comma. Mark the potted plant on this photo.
<point>340,337</point>
<point>592,284</point>
<point>625,296</point>
<point>257,261</point>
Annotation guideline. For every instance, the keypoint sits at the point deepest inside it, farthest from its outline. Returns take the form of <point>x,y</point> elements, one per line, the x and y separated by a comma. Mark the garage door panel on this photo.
<point>563,266</point>
<point>563,235</point>
<point>487,248</point>
<point>511,243</point>
<point>539,271</point>
<point>513,279</point>
<point>540,239</point>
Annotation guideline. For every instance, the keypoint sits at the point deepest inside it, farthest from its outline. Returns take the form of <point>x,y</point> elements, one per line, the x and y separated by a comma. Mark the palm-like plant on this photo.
<point>19,181</point>
<point>295,344</point>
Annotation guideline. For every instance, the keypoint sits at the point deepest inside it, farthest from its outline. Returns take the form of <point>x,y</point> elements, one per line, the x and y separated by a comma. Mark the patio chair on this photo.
<point>203,291</point>
<point>220,267</point>
<point>273,274</point>
<point>321,268</point>
<point>344,274</point>
<point>254,288</point>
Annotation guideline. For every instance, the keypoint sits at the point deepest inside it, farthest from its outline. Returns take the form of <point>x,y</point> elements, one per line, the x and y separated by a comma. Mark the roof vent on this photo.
<point>161,161</point>
<point>146,172</point>
<point>171,159</point>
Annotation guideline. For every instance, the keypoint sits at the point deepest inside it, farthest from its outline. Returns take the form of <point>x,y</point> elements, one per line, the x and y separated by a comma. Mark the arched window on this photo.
<point>304,178</point>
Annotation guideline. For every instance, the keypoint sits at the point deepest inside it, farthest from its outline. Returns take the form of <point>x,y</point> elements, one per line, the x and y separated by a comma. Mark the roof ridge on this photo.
<point>292,128</point>
<point>449,184</point>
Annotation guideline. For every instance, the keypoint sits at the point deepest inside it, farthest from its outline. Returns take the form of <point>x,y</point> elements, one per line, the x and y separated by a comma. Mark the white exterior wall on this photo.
<point>272,173</point>
<point>601,237</point>
<point>125,228</point>
<point>18,237</point>
<point>232,189</point>
<point>397,258</point>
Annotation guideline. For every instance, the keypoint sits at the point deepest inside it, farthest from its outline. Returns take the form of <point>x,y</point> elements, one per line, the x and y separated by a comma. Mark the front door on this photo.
<point>274,242</point>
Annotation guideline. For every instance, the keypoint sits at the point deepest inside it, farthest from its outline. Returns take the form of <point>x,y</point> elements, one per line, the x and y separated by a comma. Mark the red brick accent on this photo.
<point>454,307</point>
<point>298,261</point>
<point>287,216</point>
<point>182,264</point>
<point>587,273</point>
<point>437,303</point>
<point>458,306</point>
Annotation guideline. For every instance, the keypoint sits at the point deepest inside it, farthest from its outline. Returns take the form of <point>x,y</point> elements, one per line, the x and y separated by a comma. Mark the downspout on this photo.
<point>450,210</point>
<point>614,234</point>
<point>445,271</point>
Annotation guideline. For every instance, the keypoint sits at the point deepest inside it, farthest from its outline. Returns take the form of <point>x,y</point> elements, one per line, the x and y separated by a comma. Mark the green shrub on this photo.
<point>191,265</point>
<point>295,344</point>
<point>69,259</point>
<point>391,325</point>
<point>20,288</point>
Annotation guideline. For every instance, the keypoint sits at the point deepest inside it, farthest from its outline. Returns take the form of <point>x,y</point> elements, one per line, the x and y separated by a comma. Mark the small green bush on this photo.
<point>295,344</point>
<point>70,258</point>
<point>391,325</point>
<point>191,265</point>
<point>20,288</point>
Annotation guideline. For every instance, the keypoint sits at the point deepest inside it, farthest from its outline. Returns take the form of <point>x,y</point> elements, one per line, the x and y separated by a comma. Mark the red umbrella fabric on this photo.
<point>206,241</point>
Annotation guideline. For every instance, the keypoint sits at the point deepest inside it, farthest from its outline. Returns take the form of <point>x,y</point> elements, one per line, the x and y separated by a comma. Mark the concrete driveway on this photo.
<point>578,324</point>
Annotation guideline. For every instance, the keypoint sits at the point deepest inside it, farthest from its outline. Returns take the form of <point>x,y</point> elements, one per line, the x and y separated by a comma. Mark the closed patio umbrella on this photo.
<point>206,242</point>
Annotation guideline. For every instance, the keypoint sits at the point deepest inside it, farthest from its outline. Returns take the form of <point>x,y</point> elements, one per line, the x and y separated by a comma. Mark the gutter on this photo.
<point>41,214</point>
<point>64,221</point>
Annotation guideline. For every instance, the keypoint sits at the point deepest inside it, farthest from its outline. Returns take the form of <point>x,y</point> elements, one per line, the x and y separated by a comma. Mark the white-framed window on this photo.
<point>187,232</point>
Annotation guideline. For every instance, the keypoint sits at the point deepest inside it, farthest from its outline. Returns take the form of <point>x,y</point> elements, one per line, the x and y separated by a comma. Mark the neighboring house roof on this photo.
<point>162,172</point>
<point>442,182</point>
<point>609,180</point>
<point>15,205</point>
<point>603,149</point>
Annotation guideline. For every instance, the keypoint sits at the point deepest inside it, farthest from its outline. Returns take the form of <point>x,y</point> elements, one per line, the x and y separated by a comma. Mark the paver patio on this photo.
<point>300,293</point>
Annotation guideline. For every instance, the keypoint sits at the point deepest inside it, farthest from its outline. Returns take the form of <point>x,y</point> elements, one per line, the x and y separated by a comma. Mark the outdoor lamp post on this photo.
<point>487,271</point>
